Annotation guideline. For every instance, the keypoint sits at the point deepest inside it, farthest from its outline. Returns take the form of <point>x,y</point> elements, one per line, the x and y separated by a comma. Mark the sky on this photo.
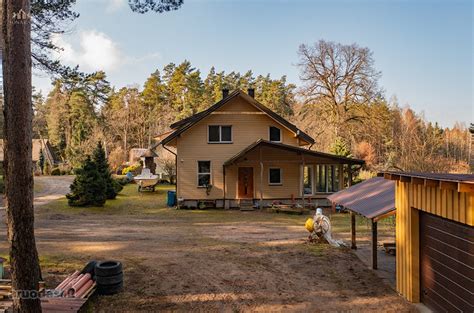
<point>424,49</point>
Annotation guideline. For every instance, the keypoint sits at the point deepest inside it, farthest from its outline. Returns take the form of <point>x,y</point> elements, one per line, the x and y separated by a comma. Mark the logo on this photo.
<point>21,16</point>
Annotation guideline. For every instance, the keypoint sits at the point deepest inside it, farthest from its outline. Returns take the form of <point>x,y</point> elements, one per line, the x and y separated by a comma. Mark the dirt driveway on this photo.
<point>51,188</point>
<point>217,261</point>
<point>48,188</point>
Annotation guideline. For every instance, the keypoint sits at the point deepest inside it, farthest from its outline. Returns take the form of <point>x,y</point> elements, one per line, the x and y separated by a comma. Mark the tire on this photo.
<point>109,280</point>
<point>110,289</point>
<point>108,268</point>
<point>89,268</point>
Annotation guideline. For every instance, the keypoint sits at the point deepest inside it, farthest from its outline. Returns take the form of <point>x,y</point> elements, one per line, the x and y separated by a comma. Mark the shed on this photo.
<point>149,156</point>
<point>373,199</point>
<point>435,239</point>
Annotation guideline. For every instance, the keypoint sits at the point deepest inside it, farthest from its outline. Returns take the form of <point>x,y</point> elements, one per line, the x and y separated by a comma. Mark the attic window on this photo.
<point>275,134</point>
<point>220,134</point>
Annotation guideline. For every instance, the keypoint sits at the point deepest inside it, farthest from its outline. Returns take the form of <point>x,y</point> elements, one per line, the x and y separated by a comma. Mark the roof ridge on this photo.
<point>186,123</point>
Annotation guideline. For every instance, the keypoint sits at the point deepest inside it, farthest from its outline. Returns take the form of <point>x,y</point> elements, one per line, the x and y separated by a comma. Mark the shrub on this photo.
<point>56,171</point>
<point>117,186</point>
<point>132,168</point>
<point>111,187</point>
<point>122,181</point>
<point>88,187</point>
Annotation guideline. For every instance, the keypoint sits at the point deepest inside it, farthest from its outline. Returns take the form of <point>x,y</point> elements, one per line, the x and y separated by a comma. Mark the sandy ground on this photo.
<point>209,261</point>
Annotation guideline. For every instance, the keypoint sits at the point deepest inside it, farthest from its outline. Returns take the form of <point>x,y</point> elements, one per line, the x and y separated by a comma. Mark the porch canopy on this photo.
<point>263,153</point>
<point>306,154</point>
<point>374,199</point>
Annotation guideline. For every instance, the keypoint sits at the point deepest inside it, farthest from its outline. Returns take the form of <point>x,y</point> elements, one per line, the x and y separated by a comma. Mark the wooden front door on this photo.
<point>245,183</point>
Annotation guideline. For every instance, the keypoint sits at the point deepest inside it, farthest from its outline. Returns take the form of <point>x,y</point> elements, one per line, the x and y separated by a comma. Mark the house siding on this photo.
<point>410,199</point>
<point>248,125</point>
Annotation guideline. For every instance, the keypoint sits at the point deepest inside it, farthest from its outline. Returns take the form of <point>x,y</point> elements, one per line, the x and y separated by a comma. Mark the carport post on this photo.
<point>374,244</point>
<point>353,231</point>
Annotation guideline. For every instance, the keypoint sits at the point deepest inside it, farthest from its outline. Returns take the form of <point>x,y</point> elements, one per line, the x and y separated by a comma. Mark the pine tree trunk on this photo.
<point>16,30</point>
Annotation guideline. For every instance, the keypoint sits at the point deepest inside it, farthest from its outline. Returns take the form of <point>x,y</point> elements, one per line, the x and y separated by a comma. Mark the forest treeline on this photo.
<point>348,116</point>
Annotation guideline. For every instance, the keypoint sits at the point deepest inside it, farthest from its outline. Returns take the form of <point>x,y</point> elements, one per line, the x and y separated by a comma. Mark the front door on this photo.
<point>245,183</point>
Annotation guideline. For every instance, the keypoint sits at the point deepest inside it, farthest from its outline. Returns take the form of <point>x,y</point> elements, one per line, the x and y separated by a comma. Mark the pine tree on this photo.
<point>111,187</point>
<point>89,187</point>
<point>339,147</point>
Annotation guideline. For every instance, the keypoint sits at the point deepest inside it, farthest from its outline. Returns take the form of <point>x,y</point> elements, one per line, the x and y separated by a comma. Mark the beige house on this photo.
<point>239,151</point>
<point>38,145</point>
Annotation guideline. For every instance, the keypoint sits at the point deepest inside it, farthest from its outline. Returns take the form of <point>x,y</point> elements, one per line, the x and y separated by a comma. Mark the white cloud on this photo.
<point>99,51</point>
<point>96,51</point>
<point>114,5</point>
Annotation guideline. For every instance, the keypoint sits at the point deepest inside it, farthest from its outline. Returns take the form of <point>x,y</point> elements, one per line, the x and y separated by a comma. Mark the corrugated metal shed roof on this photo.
<point>371,198</point>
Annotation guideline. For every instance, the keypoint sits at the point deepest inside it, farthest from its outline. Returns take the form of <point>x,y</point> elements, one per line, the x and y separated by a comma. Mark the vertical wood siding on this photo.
<point>409,200</point>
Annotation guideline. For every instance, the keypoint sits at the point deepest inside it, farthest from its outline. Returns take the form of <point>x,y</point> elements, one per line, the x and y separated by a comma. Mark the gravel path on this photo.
<point>52,188</point>
<point>49,188</point>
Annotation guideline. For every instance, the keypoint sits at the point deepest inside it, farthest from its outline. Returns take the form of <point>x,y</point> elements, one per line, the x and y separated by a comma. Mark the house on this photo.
<point>38,146</point>
<point>435,239</point>
<point>239,152</point>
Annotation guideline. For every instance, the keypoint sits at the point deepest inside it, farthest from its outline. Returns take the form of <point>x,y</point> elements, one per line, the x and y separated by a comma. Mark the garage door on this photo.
<point>447,264</point>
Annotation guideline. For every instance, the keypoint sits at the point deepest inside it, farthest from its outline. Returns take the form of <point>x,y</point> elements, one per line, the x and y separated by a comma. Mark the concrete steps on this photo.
<point>246,205</point>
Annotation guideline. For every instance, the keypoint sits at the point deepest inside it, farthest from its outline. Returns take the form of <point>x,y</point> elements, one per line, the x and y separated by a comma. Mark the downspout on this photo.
<point>261,179</point>
<point>223,188</point>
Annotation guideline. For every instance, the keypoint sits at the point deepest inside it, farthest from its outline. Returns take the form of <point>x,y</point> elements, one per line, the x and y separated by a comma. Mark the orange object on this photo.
<point>79,293</point>
<point>71,283</point>
<point>79,283</point>
<point>67,280</point>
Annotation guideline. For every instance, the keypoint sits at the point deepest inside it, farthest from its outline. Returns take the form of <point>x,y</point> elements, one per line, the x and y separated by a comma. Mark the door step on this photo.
<point>246,205</point>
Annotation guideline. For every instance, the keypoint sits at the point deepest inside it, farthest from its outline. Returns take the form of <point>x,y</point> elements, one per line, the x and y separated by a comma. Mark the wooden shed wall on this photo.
<point>409,200</point>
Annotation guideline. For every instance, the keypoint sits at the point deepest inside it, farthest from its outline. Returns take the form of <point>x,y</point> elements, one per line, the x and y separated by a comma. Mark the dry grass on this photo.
<point>206,260</point>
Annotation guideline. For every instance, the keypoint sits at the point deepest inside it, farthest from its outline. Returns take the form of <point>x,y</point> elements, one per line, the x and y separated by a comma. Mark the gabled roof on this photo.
<point>185,124</point>
<point>149,153</point>
<point>37,146</point>
<point>371,198</point>
<point>262,142</point>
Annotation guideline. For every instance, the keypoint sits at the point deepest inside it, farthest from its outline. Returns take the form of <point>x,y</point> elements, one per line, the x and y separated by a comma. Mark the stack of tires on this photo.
<point>109,277</point>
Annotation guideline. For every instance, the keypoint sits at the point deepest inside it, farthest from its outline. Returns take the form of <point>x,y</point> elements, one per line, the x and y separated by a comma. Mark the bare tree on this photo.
<point>18,112</point>
<point>337,78</point>
<point>168,165</point>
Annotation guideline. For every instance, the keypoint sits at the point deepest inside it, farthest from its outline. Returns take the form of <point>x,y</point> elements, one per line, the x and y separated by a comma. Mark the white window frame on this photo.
<point>281,176</point>
<point>198,173</point>
<point>220,134</point>
<point>270,132</point>
<point>312,180</point>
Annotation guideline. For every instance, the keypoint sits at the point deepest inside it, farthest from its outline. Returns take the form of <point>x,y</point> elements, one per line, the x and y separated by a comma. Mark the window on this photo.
<point>204,173</point>
<point>308,180</point>
<point>331,178</point>
<point>274,176</point>
<point>275,134</point>
<point>219,134</point>
<point>327,178</point>
<point>321,178</point>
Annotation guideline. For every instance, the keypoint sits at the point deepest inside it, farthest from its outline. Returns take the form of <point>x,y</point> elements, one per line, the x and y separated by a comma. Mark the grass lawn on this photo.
<point>128,201</point>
